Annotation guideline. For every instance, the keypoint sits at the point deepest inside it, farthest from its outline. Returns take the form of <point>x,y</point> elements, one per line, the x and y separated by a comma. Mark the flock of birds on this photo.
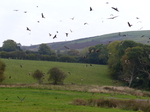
<point>90,9</point>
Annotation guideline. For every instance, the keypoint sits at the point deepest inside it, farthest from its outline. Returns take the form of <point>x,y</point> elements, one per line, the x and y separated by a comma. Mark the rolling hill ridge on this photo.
<point>79,44</point>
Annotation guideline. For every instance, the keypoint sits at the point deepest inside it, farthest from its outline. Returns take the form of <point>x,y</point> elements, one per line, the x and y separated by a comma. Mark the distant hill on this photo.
<point>79,44</point>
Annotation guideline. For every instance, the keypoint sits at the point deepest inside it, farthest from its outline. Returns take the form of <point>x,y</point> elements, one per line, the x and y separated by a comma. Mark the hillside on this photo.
<point>137,36</point>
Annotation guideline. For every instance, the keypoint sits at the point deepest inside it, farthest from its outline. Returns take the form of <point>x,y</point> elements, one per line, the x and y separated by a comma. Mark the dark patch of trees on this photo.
<point>2,69</point>
<point>129,62</point>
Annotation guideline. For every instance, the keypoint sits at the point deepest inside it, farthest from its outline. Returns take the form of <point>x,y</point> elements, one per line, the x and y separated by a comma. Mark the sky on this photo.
<point>69,16</point>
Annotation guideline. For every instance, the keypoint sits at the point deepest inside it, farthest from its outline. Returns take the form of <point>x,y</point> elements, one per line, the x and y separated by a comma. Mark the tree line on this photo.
<point>11,49</point>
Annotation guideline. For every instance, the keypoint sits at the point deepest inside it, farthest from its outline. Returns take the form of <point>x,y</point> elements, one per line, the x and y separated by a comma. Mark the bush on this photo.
<point>38,75</point>
<point>2,69</point>
<point>56,76</point>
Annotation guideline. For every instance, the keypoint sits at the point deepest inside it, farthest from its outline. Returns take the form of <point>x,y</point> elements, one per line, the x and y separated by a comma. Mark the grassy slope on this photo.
<point>38,100</point>
<point>102,39</point>
<point>91,75</point>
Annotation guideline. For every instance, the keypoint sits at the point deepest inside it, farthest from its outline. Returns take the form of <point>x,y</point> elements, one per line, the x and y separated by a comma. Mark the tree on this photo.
<point>56,76</point>
<point>44,49</point>
<point>10,45</point>
<point>38,75</point>
<point>2,69</point>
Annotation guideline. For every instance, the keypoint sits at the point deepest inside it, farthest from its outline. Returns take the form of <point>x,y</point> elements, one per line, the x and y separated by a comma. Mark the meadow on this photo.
<point>76,73</point>
<point>45,97</point>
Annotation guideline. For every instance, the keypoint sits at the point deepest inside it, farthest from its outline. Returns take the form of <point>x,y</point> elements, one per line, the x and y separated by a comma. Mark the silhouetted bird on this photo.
<point>25,11</point>
<point>38,21</point>
<point>50,34</point>
<point>70,30</point>
<point>72,18</point>
<point>56,31</point>
<point>85,23</point>
<point>112,17</point>
<point>142,36</point>
<point>129,24</point>
<point>116,9</point>
<point>16,10</point>
<point>28,29</point>
<point>66,34</point>
<point>20,98</point>
<point>42,15</point>
<point>91,9</point>
<point>66,47</point>
<point>55,37</point>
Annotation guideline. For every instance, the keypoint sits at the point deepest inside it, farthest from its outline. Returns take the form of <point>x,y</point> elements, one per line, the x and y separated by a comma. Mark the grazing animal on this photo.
<point>21,66</point>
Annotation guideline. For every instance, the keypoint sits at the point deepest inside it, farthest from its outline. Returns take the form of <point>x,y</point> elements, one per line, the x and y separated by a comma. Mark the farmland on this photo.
<point>46,97</point>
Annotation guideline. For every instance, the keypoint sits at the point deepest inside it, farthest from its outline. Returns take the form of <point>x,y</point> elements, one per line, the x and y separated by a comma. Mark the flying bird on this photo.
<point>50,34</point>
<point>142,36</point>
<point>25,11</point>
<point>116,9</point>
<point>16,10</point>
<point>72,18</point>
<point>85,23</point>
<point>66,47</point>
<point>129,24</point>
<point>112,17</point>
<point>91,9</point>
<point>55,37</point>
<point>28,29</point>
<point>66,34</point>
<point>20,98</point>
<point>42,15</point>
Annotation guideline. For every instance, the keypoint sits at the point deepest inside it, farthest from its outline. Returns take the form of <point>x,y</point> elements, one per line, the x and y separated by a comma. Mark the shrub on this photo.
<point>2,69</point>
<point>56,76</point>
<point>38,75</point>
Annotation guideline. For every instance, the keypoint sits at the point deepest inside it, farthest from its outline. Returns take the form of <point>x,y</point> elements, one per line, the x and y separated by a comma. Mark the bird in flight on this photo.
<point>116,9</point>
<point>66,47</point>
<point>28,29</point>
<point>112,17</point>
<point>42,15</point>
<point>16,10</point>
<point>72,18</point>
<point>91,9</point>
<point>129,24</point>
<point>85,23</point>
<point>66,34</point>
<point>55,37</point>
<point>50,34</point>
<point>20,98</point>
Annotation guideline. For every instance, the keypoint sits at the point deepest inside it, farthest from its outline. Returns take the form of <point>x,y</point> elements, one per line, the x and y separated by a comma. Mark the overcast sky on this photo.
<point>58,17</point>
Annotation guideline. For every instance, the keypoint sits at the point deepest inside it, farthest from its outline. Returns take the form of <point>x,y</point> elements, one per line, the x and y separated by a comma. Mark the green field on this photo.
<point>58,98</point>
<point>39,100</point>
<point>91,75</point>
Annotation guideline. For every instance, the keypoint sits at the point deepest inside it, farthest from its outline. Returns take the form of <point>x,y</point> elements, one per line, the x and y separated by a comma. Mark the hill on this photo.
<point>137,36</point>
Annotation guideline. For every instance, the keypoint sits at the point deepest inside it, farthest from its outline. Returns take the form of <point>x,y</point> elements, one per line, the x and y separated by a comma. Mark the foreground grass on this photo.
<point>79,74</point>
<point>41,100</point>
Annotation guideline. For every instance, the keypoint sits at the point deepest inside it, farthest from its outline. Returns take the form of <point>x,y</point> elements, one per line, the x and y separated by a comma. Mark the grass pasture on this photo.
<point>95,84</point>
<point>79,74</point>
<point>39,100</point>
